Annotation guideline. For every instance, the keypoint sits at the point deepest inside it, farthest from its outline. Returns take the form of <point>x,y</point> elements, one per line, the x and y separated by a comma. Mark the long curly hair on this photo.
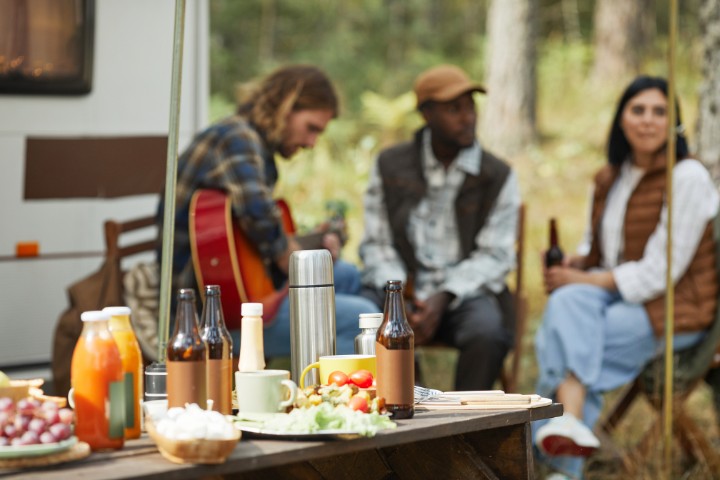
<point>288,89</point>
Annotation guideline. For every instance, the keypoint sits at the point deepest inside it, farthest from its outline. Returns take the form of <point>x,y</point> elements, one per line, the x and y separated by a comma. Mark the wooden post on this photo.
<point>669,287</point>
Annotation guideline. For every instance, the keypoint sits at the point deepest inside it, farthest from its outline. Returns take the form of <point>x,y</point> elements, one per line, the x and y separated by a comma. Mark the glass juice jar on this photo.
<point>97,382</point>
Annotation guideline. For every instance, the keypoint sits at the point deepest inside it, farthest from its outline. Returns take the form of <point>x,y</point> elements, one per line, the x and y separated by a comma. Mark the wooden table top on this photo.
<point>140,458</point>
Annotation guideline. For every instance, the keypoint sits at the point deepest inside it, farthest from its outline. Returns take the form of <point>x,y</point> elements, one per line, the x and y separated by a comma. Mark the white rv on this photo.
<point>57,200</point>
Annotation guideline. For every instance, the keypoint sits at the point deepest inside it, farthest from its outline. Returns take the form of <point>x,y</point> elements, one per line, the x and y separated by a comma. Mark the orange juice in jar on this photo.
<point>132,366</point>
<point>97,385</point>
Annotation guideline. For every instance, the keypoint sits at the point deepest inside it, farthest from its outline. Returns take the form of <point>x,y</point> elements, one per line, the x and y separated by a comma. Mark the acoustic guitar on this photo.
<point>223,255</point>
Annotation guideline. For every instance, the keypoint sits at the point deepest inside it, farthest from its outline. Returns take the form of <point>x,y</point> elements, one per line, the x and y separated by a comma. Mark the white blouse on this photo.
<point>695,203</point>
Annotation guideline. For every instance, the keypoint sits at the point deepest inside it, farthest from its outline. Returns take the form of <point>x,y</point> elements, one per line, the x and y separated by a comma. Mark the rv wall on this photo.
<point>130,97</point>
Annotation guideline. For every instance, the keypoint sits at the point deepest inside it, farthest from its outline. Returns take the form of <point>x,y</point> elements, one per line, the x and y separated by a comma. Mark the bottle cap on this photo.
<point>370,320</point>
<point>117,311</point>
<point>186,294</point>
<point>251,310</point>
<point>94,316</point>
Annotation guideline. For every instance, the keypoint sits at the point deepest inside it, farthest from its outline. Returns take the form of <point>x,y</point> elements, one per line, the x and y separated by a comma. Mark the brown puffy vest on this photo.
<point>697,290</point>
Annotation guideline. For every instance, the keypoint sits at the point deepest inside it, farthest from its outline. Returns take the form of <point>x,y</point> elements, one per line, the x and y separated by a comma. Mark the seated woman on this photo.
<point>605,316</point>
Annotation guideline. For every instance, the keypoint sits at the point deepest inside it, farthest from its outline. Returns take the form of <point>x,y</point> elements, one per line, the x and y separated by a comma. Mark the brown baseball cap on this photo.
<point>443,83</point>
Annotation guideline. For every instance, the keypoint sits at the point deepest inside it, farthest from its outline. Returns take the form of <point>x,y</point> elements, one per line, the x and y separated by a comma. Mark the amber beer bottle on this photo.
<point>219,345</point>
<point>554,255</point>
<point>186,356</point>
<point>395,352</point>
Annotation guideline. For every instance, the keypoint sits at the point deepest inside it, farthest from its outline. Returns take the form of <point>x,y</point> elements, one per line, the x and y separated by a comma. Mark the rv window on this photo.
<point>46,46</point>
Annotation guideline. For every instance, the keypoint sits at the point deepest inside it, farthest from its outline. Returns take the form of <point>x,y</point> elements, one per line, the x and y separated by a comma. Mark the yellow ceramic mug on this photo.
<point>344,363</point>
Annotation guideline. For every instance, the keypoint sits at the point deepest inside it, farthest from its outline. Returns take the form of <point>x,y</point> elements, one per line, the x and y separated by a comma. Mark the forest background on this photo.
<point>554,70</point>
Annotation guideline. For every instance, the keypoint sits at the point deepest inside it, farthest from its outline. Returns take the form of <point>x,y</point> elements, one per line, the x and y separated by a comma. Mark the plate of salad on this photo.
<point>316,422</point>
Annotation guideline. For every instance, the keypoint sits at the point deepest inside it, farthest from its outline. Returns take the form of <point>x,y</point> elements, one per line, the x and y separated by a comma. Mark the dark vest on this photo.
<point>404,185</point>
<point>697,290</point>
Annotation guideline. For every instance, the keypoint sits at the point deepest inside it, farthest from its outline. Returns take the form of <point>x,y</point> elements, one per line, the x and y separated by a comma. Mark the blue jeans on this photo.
<point>599,338</point>
<point>348,307</point>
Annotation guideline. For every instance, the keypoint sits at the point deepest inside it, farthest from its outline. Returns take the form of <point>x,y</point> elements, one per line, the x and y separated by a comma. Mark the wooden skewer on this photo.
<point>505,399</point>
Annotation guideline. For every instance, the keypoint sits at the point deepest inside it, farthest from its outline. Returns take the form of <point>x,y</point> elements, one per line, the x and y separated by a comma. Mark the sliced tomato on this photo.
<point>338,378</point>
<point>358,402</point>
<point>362,378</point>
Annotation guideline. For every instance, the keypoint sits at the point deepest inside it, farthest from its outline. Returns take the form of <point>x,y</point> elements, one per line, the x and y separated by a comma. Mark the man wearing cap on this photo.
<point>441,215</point>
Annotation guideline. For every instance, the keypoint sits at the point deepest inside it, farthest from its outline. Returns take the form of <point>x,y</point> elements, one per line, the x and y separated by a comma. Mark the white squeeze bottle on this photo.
<point>252,351</point>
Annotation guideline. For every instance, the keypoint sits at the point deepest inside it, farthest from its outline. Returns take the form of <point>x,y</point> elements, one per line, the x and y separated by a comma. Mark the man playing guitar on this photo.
<point>236,156</point>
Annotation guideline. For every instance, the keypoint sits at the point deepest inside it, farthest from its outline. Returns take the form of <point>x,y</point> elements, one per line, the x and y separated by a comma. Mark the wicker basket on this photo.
<point>202,451</point>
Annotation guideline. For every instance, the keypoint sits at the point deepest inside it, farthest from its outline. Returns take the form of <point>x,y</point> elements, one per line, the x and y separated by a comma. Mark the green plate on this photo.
<point>37,450</point>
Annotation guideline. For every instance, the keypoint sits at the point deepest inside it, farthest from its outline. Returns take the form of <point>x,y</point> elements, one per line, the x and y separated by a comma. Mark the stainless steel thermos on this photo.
<point>312,311</point>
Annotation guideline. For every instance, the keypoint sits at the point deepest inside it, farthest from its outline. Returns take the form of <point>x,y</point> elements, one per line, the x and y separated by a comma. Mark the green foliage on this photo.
<point>358,42</point>
<point>373,49</point>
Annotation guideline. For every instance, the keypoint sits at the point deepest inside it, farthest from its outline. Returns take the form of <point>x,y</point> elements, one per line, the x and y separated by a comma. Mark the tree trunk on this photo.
<point>708,130</point>
<point>571,20</point>
<point>618,36</point>
<point>508,124</point>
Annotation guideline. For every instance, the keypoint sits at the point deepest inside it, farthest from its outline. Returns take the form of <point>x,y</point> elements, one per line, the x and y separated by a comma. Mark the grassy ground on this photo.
<point>573,119</point>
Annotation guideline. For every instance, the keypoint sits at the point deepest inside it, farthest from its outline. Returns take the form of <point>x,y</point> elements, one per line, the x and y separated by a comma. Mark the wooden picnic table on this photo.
<point>438,444</point>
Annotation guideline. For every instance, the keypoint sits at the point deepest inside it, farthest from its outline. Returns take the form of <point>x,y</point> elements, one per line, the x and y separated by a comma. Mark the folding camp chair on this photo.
<point>690,367</point>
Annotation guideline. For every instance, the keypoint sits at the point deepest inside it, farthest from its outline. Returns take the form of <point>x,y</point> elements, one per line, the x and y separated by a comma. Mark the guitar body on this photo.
<point>222,255</point>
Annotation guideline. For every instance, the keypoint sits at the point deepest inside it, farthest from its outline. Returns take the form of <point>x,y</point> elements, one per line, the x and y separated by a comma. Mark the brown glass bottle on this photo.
<point>395,352</point>
<point>186,356</point>
<point>219,345</point>
<point>554,255</point>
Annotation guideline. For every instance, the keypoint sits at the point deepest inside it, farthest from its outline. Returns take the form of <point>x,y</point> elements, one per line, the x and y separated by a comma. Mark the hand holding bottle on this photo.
<point>554,254</point>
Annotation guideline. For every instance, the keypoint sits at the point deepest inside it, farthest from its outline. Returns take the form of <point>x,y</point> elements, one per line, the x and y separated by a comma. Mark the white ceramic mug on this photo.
<point>264,391</point>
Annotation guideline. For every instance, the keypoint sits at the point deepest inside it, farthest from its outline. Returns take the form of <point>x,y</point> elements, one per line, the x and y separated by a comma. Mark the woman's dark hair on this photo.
<point>618,146</point>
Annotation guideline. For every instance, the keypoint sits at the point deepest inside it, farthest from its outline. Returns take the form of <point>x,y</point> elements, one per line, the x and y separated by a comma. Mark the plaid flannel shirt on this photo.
<point>434,234</point>
<point>230,155</point>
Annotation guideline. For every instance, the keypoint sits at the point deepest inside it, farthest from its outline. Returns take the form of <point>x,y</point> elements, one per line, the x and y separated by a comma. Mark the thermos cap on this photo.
<point>310,268</point>
<point>117,311</point>
<point>370,320</point>
<point>94,316</point>
<point>251,310</point>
